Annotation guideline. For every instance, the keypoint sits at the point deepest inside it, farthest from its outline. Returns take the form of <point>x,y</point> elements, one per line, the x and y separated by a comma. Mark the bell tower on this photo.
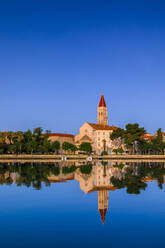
<point>102,112</point>
<point>103,197</point>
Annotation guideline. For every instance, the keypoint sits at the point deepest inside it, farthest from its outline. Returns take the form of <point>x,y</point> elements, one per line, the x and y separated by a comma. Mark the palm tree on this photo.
<point>2,137</point>
<point>10,135</point>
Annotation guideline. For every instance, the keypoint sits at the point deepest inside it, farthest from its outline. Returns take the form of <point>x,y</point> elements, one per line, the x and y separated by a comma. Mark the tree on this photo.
<point>68,147</point>
<point>86,169</point>
<point>120,150</point>
<point>104,153</point>
<point>39,139</point>
<point>2,137</point>
<point>46,146</point>
<point>115,151</point>
<point>55,146</point>
<point>73,148</point>
<point>157,144</point>
<point>144,147</point>
<point>118,133</point>
<point>131,135</point>
<point>18,141</point>
<point>9,136</point>
<point>86,147</point>
<point>31,146</point>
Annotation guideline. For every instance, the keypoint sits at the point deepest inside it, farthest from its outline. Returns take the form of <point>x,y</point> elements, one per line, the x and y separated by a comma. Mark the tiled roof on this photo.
<point>147,136</point>
<point>102,127</point>
<point>102,101</point>
<point>103,214</point>
<point>61,135</point>
<point>147,179</point>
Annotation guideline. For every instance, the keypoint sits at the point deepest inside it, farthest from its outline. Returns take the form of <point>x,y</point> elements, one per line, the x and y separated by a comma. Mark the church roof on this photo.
<point>102,101</point>
<point>103,214</point>
<point>61,135</point>
<point>102,127</point>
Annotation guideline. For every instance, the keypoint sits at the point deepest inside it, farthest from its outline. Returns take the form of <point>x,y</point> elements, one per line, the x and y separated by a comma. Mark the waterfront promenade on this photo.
<point>58,158</point>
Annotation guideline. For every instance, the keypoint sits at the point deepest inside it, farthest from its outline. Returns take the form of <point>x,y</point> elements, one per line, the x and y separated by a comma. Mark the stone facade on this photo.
<point>98,134</point>
<point>61,137</point>
<point>102,112</point>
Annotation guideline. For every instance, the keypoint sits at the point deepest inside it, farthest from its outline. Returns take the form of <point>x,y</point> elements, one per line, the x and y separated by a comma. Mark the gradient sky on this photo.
<point>56,57</point>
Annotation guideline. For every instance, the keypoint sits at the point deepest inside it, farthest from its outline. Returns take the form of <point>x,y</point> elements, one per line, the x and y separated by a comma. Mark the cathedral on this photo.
<point>98,134</point>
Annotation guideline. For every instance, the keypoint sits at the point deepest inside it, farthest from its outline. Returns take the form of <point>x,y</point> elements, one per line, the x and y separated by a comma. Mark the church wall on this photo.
<point>85,130</point>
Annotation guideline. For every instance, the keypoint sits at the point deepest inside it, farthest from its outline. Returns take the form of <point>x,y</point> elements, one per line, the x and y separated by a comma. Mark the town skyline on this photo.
<point>107,122</point>
<point>82,128</point>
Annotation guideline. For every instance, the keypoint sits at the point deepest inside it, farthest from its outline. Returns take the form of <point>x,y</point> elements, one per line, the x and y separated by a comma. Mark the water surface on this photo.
<point>80,205</point>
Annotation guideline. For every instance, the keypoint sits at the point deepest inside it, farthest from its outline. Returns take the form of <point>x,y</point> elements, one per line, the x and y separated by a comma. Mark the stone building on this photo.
<point>99,181</point>
<point>61,137</point>
<point>98,134</point>
<point>102,112</point>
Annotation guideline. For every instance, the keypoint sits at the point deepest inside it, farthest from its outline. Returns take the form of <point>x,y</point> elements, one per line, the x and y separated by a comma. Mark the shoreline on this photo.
<point>59,158</point>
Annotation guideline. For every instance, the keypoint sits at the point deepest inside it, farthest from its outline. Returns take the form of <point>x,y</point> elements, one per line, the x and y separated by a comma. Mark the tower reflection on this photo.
<point>101,177</point>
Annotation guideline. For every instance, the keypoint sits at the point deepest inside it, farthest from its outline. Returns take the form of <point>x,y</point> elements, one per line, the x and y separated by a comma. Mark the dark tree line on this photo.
<point>28,142</point>
<point>134,183</point>
<point>133,138</point>
<point>35,142</point>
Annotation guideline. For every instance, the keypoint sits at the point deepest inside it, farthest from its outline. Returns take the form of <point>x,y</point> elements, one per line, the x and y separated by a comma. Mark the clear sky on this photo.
<point>56,57</point>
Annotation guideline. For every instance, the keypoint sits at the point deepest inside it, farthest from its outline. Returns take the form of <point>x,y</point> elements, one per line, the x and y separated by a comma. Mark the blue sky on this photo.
<point>56,57</point>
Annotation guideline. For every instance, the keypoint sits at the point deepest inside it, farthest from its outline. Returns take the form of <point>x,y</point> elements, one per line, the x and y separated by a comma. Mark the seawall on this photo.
<point>58,158</point>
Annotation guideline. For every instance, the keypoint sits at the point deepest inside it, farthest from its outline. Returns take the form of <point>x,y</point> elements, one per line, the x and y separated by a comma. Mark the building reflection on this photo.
<point>101,177</point>
<point>97,181</point>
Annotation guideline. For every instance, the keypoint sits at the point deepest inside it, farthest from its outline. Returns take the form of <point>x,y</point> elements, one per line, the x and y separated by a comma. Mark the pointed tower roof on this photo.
<point>103,214</point>
<point>102,101</point>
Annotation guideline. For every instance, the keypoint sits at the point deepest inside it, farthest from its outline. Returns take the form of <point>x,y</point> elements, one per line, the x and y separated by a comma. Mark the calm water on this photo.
<point>78,205</point>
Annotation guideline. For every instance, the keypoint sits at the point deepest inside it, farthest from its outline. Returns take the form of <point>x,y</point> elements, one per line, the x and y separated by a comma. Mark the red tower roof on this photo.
<point>102,101</point>
<point>103,214</point>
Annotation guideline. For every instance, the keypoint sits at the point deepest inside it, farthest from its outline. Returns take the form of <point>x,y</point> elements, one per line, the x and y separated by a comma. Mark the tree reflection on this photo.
<point>132,176</point>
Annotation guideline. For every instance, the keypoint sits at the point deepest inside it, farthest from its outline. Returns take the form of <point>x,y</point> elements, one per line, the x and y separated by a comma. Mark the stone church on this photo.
<point>98,134</point>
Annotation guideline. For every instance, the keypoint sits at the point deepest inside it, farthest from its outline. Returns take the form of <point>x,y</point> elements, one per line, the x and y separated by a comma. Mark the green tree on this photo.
<point>55,146</point>
<point>86,147</point>
<point>131,135</point>
<point>115,151</point>
<point>104,153</point>
<point>118,133</point>
<point>144,147</point>
<point>66,146</point>
<point>86,169</point>
<point>73,148</point>
<point>157,144</point>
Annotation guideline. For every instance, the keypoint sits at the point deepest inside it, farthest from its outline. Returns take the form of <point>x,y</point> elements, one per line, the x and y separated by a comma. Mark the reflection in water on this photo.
<point>100,177</point>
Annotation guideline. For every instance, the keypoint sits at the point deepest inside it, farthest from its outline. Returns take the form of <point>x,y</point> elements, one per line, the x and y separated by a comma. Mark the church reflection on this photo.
<point>99,180</point>
<point>101,177</point>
